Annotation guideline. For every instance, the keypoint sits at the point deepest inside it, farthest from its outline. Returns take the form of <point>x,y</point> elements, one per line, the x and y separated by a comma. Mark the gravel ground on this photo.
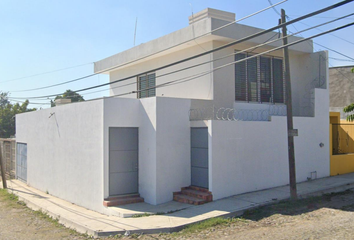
<point>326,217</point>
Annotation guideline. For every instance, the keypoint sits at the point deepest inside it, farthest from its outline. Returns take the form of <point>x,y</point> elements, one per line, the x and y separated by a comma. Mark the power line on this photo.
<point>87,76</point>
<point>185,79</point>
<point>251,49</point>
<point>38,74</point>
<point>340,59</point>
<point>205,34</point>
<point>216,49</point>
<point>334,51</point>
<point>58,84</point>
<point>319,30</point>
<point>319,17</point>
<point>343,39</point>
<point>275,10</point>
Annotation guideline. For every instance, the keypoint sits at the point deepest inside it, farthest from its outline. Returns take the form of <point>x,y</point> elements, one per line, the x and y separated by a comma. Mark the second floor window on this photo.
<point>146,85</point>
<point>259,79</point>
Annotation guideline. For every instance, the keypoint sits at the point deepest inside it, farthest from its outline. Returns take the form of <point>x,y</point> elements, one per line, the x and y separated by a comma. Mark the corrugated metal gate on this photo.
<point>123,160</point>
<point>199,157</point>
<point>21,161</point>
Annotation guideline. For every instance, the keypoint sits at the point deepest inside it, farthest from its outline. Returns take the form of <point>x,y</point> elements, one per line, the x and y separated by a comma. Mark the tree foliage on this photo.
<point>350,109</point>
<point>8,112</point>
<point>68,94</point>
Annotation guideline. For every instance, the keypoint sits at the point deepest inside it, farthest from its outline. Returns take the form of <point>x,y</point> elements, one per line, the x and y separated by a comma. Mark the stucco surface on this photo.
<point>341,87</point>
<point>65,154</point>
<point>249,156</point>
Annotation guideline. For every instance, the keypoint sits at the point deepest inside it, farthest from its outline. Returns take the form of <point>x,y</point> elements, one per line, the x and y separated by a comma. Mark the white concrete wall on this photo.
<point>307,71</point>
<point>173,147</point>
<point>121,112</point>
<point>246,156</point>
<point>199,88</point>
<point>147,150</point>
<point>116,113</point>
<point>304,69</point>
<point>313,131</point>
<point>65,151</point>
<point>249,156</point>
<point>240,31</point>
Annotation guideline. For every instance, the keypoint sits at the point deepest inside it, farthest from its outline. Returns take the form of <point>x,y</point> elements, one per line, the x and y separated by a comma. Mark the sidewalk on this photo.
<point>96,224</point>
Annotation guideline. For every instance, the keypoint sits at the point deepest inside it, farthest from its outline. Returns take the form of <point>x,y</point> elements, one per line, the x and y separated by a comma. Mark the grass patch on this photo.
<point>212,222</point>
<point>206,224</point>
<point>147,214</point>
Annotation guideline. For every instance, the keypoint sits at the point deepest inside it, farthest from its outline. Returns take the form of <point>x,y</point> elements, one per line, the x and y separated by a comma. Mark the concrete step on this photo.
<point>198,194</point>
<point>188,199</point>
<point>123,200</point>
<point>110,198</point>
<point>197,189</point>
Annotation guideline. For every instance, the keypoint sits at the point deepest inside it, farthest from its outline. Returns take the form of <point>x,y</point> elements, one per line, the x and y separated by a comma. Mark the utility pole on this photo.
<point>289,108</point>
<point>2,168</point>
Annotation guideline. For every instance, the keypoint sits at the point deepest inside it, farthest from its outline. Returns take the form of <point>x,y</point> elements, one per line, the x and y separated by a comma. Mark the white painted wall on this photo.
<point>246,156</point>
<point>307,70</point>
<point>313,131</point>
<point>147,150</point>
<point>123,112</point>
<point>249,156</point>
<point>65,151</point>
<point>173,147</point>
<point>116,113</point>
<point>199,88</point>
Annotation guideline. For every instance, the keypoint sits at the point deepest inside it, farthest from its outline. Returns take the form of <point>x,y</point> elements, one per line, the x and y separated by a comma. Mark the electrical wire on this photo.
<point>344,55</point>
<point>38,74</point>
<point>87,76</point>
<point>178,81</point>
<point>251,49</point>
<point>320,31</point>
<point>340,59</point>
<point>218,48</point>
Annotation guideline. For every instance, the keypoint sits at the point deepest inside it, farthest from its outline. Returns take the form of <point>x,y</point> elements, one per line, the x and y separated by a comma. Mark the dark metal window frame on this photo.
<point>272,90</point>
<point>150,91</point>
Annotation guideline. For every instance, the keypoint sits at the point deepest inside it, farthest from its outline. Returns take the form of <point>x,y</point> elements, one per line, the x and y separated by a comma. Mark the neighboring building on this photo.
<point>341,89</point>
<point>224,131</point>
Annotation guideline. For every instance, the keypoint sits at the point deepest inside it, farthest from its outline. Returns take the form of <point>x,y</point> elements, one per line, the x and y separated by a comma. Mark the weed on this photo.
<point>142,215</point>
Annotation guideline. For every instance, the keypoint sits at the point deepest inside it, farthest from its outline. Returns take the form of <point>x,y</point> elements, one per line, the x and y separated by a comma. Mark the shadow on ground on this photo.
<point>342,201</point>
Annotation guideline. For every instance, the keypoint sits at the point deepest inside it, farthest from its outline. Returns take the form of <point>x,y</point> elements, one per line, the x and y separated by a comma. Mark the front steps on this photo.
<point>122,200</point>
<point>193,195</point>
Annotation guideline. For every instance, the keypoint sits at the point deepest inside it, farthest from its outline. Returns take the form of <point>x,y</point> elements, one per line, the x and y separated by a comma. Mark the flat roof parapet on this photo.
<point>212,13</point>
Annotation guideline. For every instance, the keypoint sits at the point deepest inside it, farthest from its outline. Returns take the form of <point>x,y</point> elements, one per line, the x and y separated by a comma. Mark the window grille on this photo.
<point>259,79</point>
<point>146,85</point>
<point>240,78</point>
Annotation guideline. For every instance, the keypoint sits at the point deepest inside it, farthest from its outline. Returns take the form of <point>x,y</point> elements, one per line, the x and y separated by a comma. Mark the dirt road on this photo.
<point>326,217</point>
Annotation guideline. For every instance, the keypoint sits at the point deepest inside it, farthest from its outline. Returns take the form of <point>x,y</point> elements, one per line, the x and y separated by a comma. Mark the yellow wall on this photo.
<point>341,163</point>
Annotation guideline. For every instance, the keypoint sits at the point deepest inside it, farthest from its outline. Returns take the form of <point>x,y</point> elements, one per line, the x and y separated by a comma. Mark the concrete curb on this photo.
<point>81,228</point>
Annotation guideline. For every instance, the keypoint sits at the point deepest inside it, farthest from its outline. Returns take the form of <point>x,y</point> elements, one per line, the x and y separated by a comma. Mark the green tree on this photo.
<point>350,109</point>
<point>8,112</point>
<point>68,94</point>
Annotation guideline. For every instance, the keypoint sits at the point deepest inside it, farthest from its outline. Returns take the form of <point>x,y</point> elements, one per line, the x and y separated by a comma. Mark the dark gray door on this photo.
<point>21,162</point>
<point>123,161</point>
<point>199,157</point>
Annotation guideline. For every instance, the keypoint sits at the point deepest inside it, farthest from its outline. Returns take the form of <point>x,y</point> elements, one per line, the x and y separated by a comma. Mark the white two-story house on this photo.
<point>214,122</point>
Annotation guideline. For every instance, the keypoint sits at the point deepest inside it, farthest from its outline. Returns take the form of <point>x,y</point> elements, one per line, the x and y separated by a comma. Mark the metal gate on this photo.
<point>21,161</point>
<point>123,161</point>
<point>199,157</point>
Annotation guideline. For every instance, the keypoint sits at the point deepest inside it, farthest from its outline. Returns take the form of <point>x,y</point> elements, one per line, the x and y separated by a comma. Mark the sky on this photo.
<point>48,42</point>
